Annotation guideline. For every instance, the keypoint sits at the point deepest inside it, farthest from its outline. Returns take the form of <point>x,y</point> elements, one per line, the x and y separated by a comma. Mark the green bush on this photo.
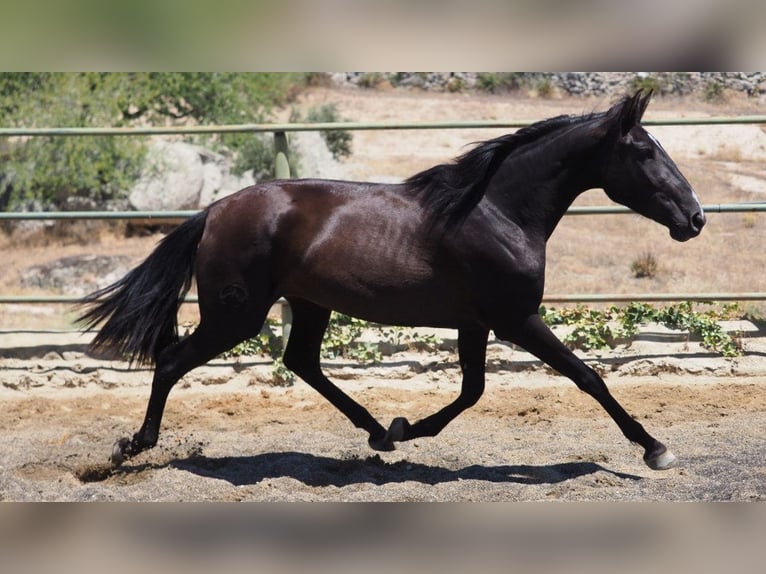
<point>714,92</point>
<point>593,328</point>
<point>47,172</point>
<point>500,82</point>
<point>649,83</point>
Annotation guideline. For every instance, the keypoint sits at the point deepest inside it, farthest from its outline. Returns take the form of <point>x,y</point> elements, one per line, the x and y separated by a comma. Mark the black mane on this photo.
<point>452,190</point>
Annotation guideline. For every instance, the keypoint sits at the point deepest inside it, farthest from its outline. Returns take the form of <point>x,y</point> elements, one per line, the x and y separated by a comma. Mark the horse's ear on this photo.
<point>632,110</point>
<point>643,102</point>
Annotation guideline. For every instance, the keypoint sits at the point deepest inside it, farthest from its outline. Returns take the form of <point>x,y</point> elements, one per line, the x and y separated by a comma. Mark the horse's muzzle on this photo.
<point>697,222</point>
<point>691,230</point>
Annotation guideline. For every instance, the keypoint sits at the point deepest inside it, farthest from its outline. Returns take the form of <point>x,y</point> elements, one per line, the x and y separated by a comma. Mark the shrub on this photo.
<point>544,88</point>
<point>47,172</point>
<point>371,80</point>
<point>592,329</point>
<point>649,82</point>
<point>52,172</point>
<point>500,82</point>
<point>644,267</point>
<point>714,92</point>
<point>455,84</point>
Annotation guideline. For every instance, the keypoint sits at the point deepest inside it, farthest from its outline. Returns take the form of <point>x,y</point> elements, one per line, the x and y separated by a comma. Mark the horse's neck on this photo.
<point>536,187</point>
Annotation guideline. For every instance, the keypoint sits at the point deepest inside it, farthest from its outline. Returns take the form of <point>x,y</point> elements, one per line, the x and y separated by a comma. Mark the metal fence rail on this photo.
<point>753,207</point>
<point>552,298</point>
<point>345,126</point>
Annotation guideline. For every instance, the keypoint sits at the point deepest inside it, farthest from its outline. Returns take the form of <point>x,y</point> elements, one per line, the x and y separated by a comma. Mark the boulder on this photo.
<point>77,274</point>
<point>182,176</point>
<point>172,179</point>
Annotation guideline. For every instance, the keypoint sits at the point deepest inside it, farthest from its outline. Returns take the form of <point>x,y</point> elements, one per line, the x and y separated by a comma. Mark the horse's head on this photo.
<point>640,175</point>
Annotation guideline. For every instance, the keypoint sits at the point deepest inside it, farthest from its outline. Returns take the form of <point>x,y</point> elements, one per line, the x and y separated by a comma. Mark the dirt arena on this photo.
<point>229,435</point>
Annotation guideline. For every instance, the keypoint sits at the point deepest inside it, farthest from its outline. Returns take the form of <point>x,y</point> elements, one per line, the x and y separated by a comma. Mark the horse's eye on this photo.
<point>644,151</point>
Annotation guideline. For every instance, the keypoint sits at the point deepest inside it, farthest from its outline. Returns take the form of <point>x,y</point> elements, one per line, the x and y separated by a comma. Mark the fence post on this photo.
<point>282,171</point>
<point>282,167</point>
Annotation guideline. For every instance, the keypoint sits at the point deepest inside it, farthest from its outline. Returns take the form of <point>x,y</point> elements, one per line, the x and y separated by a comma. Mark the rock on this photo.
<point>173,179</point>
<point>315,159</point>
<point>183,176</point>
<point>76,275</point>
<point>218,180</point>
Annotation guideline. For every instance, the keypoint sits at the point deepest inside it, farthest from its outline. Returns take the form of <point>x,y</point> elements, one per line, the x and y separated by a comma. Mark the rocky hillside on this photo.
<point>572,83</point>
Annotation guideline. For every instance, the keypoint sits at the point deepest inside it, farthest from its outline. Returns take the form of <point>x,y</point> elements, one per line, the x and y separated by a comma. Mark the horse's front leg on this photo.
<point>302,356</point>
<point>534,335</point>
<point>472,349</point>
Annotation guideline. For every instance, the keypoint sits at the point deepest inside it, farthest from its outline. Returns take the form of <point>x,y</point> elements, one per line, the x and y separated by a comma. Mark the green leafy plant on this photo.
<point>266,343</point>
<point>410,339</point>
<point>500,82</point>
<point>281,376</point>
<point>591,328</point>
<point>342,339</point>
<point>595,329</point>
<point>51,172</point>
<point>648,82</point>
<point>714,92</point>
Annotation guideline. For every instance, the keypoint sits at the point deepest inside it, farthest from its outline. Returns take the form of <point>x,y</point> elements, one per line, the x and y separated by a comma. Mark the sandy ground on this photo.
<point>228,434</point>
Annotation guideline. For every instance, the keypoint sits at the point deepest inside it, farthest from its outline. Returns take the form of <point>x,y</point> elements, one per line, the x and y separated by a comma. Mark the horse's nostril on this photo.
<point>698,221</point>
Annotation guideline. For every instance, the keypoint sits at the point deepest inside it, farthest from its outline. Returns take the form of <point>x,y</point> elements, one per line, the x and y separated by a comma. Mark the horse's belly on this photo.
<point>386,300</point>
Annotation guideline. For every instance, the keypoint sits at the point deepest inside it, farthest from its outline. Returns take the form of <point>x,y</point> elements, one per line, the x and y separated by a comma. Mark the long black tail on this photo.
<point>140,309</point>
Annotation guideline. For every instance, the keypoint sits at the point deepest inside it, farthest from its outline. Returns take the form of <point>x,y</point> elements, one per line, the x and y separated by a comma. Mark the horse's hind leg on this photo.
<point>302,357</point>
<point>210,339</point>
<point>472,350</point>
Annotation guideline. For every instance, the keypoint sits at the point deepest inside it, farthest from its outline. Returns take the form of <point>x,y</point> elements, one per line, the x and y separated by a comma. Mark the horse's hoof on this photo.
<point>381,444</point>
<point>662,460</point>
<point>119,449</point>
<point>397,431</point>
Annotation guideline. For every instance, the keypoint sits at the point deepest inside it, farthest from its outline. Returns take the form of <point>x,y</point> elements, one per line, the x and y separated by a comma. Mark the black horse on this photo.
<point>460,245</point>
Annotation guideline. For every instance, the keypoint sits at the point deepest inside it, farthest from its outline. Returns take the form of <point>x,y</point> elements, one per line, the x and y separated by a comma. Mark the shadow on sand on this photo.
<point>318,471</point>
